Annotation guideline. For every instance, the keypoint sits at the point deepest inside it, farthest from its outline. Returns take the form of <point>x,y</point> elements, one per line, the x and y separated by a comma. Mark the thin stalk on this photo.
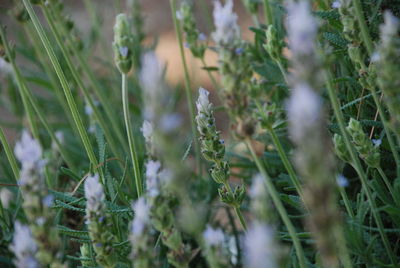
<point>283,71</point>
<point>346,202</point>
<point>10,155</point>
<point>67,91</point>
<point>32,102</point>
<point>279,206</point>
<point>106,104</point>
<point>210,75</point>
<point>131,139</point>
<point>357,165</point>
<point>236,208</point>
<point>363,27</point>
<point>388,185</point>
<point>187,86</point>
<point>269,19</point>
<point>77,78</point>
<point>29,31</point>
<point>289,168</point>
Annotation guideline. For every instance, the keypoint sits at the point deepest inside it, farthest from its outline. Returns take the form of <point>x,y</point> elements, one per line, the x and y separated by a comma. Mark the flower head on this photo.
<point>225,20</point>
<point>147,131</point>
<point>304,111</point>
<point>213,237</point>
<point>203,104</point>
<point>94,193</point>
<point>302,28</point>
<point>28,151</point>
<point>24,247</point>
<point>152,177</point>
<point>389,28</point>
<point>260,248</point>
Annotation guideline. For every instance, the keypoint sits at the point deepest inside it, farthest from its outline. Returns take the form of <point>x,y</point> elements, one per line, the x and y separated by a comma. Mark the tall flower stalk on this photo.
<point>123,43</point>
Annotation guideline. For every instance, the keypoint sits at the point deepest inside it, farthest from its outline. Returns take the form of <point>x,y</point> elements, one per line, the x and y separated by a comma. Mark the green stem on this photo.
<point>363,26</point>
<point>32,102</point>
<point>346,202</point>
<point>279,206</point>
<point>357,165</point>
<point>98,116</point>
<point>295,180</point>
<point>131,139</point>
<point>269,19</point>
<point>10,155</point>
<point>187,86</point>
<point>67,91</point>
<point>210,75</point>
<point>236,208</point>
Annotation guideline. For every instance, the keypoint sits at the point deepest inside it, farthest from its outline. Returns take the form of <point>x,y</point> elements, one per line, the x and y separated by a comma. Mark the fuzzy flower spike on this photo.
<point>225,20</point>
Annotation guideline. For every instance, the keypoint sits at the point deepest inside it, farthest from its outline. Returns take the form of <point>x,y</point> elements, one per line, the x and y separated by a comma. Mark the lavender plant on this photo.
<point>306,103</point>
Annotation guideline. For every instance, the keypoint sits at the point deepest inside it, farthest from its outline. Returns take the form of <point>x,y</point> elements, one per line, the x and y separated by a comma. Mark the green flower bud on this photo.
<point>366,150</point>
<point>341,149</point>
<point>123,44</point>
<point>274,45</point>
<point>220,173</point>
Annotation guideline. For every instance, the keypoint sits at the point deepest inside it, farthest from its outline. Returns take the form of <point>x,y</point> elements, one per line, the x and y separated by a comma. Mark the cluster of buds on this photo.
<point>388,66</point>
<point>364,146</point>
<point>123,44</point>
<point>234,68</point>
<point>213,150</point>
<point>98,222</point>
<point>37,200</point>
<point>195,40</point>
<point>137,28</point>
<point>216,250</point>
<point>341,149</point>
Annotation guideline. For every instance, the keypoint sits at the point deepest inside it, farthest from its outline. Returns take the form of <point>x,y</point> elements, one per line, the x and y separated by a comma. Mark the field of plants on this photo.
<point>288,157</point>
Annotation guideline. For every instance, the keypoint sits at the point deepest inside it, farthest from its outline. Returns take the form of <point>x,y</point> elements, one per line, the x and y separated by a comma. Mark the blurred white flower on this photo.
<point>5,197</point>
<point>225,20</point>
<point>304,111</point>
<point>389,28</point>
<point>142,216</point>
<point>151,73</point>
<point>94,193</point>
<point>302,28</point>
<point>203,103</point>
<point>28,151</point>
<point>147,130</point>
<point>24,247</point>
<point>257,189</point>
<point>213,237</point>
<point>336,4</point>
<point>170,122</point>
<point>152,177</point>
<point>260,248</point>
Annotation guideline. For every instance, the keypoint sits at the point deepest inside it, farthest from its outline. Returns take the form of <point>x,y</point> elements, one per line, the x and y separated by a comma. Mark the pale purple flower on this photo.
<point>257,189</point>
<point>152,177</point>
<point>24,247</point>
<point>377,142</point>
<point>342,181</point>
<point>48,200</point>
<point>260,248</point>
<point>28,151</point>
<point>202,37</point>
<point>123,51</point>
<point>304,111</point>
<point>170,122</point>
<point>151,73</point>
<point>142,216</point>
<point>302,28</point>
<point>225,20</point>
<point>94,193</point>
<point>336,4</point>
<point>213,237</point>
<point>389,28</point>
<point>179,15</point>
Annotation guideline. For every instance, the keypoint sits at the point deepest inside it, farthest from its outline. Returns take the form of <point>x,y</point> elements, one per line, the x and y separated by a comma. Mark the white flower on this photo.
<point>94,193</point>
<point>302,28</point>
<point>24,247</point>
<point>304,112</point>
<point>213,237</point>
<point>28,151</point>
<point>152,179</point>
<point>225,20</point>
<point>151,73</point>
<point>389,28</point>
<point>203,103</point>
<point>142,216</point>
<point>5,197</point>
<point>147,130</point>
<point>257,189</point>
<point>260,247</point>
